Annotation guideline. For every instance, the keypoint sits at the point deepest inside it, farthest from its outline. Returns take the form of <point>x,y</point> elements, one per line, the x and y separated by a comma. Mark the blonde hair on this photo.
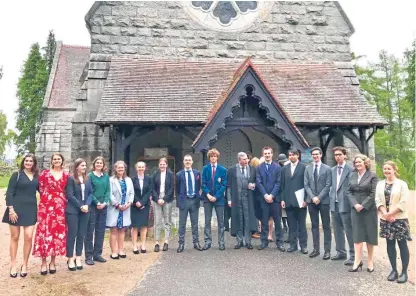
<point>139,163</point>
<point>364,158</point>
<point>254,162</point>
<point>213,152</point>
<point>164,159</point>
<point>394,166</point>
<point>120,162</point>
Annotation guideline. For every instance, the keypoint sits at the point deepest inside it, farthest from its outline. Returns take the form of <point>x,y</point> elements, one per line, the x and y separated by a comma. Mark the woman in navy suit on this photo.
<point>79,195</point>
<point>140,207</point>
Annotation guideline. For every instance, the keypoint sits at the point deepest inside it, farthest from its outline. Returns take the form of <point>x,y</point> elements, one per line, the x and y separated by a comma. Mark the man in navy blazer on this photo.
<point>214,183</point>
<point>268,183</point>
<point>188,185</point>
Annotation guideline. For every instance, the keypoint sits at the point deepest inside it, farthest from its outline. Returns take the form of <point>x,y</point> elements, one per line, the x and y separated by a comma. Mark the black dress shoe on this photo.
<point>136,252</point>
<point>314,253</point>
<point>327,256</point>
<point>100,259</point>
<point>125,256</point>
<point>180,248</point>
<point>281,248</point>
<point>165,247</point>
<point>22,274</point>
<point>197,246</point>
<point>393,276</point>
<point>304,250</point>
<point>249,246</point>
<point>238,246</point>
<point>206,247</point>
<point>402,278</point>
<point>141,251</point>
<point>52,271</point>
<point>88,261</point>
<point>292,249</point>
<point>74,268</point>
<point>262,247</point>
<point>43,272</point>
<point>339,256</point>
<point>157,249</point>
<point>115,257</point>
<point>222,247</point>
<point>349,262</point>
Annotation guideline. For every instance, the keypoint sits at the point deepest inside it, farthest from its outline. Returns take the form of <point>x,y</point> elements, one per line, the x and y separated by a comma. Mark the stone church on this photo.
<point>171,78</point>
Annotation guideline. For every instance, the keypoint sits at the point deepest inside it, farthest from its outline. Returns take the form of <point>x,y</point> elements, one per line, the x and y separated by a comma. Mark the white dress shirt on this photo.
<point>293,167</point>
<point>319,167</point>
<point>162,184</point>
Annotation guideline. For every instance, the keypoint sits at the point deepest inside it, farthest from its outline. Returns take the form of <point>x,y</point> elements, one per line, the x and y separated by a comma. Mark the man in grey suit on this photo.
<point>341,207</point>
<point>317,183</point>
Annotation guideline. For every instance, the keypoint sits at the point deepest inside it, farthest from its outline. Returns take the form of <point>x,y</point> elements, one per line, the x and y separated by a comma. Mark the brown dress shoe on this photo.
<point>255,235</point>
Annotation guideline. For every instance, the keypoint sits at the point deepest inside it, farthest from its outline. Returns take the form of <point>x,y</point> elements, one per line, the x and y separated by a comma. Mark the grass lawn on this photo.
<point>4,181</point>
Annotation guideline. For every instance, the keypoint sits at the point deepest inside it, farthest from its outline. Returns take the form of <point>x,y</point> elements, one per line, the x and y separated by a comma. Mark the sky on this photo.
<point>388,25</point>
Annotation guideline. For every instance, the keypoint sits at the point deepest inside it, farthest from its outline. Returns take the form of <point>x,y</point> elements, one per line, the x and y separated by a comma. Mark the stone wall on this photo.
<point>315,31</point>
<point>54,136</point>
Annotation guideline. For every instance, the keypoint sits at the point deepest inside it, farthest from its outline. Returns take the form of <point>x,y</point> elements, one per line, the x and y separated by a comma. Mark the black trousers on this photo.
<point>275,211</point>
<point>77,228</point>
<point>95,232</point>
<point>219,211</point>
<point>296,220</point>
<point>191,206</point>
<point>314,212</point>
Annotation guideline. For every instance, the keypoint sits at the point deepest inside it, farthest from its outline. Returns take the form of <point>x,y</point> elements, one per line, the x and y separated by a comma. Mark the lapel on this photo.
<point>321,171</point>
<point>343,175</point>
<point>195,179</point>
<point>395,188</point>
<point>117,182</point>
<point>365,176</point>
<point>295,171</point>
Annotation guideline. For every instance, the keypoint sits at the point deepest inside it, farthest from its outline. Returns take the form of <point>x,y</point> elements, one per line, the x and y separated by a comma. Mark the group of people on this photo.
<point>74,209</point>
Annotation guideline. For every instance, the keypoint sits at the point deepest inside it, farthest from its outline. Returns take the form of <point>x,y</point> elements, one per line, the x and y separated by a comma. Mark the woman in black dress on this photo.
<point>140,207</point>
<point>21,210</point>
<point>392,195</point>
<point>361,193</point>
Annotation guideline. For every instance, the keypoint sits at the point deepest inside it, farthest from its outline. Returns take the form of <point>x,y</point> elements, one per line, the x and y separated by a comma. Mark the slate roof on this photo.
<point>242,69</point>
<point>65,80</point>
<point>185,91</point>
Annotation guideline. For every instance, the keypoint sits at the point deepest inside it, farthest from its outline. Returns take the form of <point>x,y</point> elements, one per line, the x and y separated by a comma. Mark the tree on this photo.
<point>384,84</point>
<point>50,50</point>
<point>31,89</point>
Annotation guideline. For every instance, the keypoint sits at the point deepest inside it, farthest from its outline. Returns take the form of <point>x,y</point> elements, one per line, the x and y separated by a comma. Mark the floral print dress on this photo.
<point>50,238</point>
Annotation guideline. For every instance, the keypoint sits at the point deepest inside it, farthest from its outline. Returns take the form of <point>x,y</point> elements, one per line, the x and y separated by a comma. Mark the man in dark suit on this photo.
<point>240,197</point>
<point>291,186</point>
<point>341,207</point>
<point>268,183</point>
<point>317,183</point>
<point>214,183</point>
<point>188,185</point>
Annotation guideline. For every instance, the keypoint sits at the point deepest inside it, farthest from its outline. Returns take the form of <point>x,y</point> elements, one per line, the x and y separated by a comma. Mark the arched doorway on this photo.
<point>229,145</point>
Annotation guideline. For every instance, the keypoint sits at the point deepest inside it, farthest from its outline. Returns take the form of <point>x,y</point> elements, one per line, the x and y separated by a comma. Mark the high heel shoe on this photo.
<point>360,266</point>
<point>52,271</point>
<point>23,274</point>
<point>370,270</point>
<point>79,267</point>
<point>71,268</point>
<point>13,275</point>
<point>43,272</point>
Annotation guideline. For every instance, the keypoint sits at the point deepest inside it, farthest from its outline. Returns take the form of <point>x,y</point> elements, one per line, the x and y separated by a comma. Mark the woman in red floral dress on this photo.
<point>50,239</point>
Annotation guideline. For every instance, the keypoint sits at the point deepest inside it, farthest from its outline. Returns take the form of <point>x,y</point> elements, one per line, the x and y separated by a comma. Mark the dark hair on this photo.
<point>316,149</point>
<point>77,163</point>
<point>293,151</point>
<point>340,148</point>
<point>249,155</point>
<point>95,160</point>
<point>34,170</point>
<point>61,156</point>
<point>267,148</point>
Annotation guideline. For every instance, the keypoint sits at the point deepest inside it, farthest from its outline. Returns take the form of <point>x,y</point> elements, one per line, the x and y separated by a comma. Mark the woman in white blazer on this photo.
<point>118,212</point>
<point>392,195</point>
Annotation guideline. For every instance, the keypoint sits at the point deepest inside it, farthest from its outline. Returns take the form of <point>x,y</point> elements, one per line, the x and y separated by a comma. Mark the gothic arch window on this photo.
<point>227,15</point>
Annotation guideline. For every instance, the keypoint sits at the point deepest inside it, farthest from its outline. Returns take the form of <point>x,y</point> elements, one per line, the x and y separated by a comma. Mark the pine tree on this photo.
<point>31,91</point>
<point>49,50</point>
